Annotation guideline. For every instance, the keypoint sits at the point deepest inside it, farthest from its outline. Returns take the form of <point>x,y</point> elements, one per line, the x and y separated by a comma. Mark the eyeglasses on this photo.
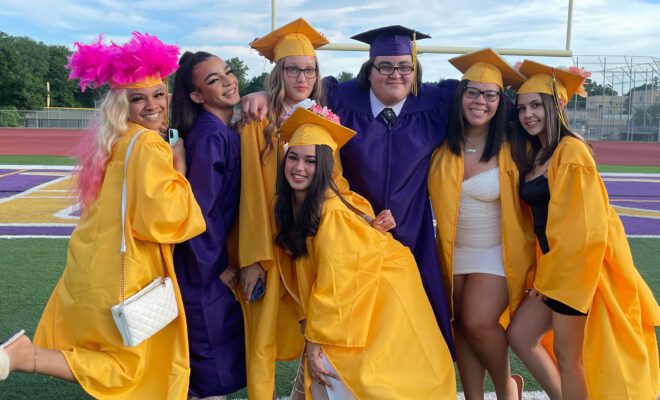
<point>489,95</point>
<point>294,72</point>
<point>388,70</point>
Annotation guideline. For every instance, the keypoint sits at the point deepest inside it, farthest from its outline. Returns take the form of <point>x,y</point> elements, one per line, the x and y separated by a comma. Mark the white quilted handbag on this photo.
<point>152,308</point>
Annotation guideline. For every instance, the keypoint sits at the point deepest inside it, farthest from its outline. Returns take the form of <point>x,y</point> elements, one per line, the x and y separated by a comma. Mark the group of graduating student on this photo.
<point>308,234</point>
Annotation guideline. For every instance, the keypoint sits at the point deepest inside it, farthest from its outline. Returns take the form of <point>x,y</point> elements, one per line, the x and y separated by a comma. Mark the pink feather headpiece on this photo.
<point>142,62</point>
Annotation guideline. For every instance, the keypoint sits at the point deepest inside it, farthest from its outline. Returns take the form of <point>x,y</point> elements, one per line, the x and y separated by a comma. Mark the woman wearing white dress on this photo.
<point>484,240</point>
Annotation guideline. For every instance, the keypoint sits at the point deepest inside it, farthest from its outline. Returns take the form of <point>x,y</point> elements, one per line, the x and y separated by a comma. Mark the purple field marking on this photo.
<point>36,230</point>
<point>640,226</point>
<point>13,184</point>
<point>647,189</point>
<point>618,192</point>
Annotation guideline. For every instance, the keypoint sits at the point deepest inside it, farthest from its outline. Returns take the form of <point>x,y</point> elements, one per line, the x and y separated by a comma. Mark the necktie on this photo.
<point>389,116</point>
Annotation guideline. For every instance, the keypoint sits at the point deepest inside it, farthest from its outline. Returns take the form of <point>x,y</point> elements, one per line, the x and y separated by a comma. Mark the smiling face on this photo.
<point>216,86</point>
<point>300,167</point>
<point>391,89</point>
<point>300,87</point>
<point>531,115</point>
<point>148,106</point>
<point>478,112</point>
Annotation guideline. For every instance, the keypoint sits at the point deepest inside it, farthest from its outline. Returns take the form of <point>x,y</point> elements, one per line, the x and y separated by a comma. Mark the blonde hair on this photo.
<point>276,93</point>
<point>96,145</point>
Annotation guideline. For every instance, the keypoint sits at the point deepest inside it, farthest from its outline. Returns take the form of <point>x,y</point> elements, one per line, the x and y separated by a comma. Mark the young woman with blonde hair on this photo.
<point>77,339</point>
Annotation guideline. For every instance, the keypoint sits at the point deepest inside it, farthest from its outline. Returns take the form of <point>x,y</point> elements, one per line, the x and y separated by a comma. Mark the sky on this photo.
<point>611,28</point>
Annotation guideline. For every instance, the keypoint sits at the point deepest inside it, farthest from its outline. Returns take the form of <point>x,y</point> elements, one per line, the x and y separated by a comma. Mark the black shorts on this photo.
<point>561,308</point>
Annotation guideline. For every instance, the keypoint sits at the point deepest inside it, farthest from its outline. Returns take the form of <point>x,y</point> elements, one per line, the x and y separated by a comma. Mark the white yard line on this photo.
<point>44,167</point>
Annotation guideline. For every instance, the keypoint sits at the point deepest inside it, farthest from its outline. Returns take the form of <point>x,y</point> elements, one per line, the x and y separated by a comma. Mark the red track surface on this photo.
<point>39,142</point>
<point>63,142</point>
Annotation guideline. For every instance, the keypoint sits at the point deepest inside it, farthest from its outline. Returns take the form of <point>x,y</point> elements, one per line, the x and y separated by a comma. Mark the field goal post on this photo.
<point>567,52</point>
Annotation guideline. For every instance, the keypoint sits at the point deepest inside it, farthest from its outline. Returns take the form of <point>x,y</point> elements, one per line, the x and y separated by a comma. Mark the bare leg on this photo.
<point>532,320</point>
<point>569,337</point>
<point>26,357</point>
<point>485,297</point>
<point>469,368</point>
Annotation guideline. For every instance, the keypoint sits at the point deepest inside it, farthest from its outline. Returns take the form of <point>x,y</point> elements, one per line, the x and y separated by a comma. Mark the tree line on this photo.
<point>26,66</point>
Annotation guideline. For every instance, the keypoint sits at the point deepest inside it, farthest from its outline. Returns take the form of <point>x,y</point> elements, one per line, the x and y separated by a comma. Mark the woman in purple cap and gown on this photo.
<point>205,92</point>
<point>388,160</point>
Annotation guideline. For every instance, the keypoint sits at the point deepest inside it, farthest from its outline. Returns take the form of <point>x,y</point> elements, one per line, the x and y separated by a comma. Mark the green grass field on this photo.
<point>30,268</point>
<point>36,160</point>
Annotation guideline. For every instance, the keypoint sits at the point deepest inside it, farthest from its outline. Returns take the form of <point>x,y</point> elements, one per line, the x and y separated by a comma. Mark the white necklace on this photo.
<point>470,149</point>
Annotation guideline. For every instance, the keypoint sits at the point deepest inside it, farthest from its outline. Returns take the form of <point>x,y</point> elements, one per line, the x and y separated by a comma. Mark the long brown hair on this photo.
<point>295,228</point>
<point>525,148</point>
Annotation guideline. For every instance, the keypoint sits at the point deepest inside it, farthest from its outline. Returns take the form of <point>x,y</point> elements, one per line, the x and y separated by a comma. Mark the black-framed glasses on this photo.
<point>388,69</point>
<point>489,95</point>
<point>294,72</point>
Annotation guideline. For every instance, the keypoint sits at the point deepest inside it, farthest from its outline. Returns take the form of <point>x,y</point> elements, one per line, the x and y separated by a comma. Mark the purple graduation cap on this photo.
<point>395,40</point>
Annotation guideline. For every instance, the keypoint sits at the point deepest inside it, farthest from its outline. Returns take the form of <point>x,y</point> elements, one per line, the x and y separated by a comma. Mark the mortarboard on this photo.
<point>486,66</point>
<point>297,38</point>
<point>394,40</point>
<point>542,79</point>
<point>304,127</point>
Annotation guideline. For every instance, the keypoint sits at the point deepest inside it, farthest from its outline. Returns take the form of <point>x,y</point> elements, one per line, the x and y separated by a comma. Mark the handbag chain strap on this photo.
<point>122,248</point>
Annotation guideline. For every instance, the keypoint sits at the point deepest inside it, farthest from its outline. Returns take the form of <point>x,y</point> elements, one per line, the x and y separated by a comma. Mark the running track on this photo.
<point>63,142</point>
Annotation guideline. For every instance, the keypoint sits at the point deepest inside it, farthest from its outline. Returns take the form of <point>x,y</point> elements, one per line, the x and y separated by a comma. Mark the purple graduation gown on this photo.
<point>215,319</point>
<point>389,167</point>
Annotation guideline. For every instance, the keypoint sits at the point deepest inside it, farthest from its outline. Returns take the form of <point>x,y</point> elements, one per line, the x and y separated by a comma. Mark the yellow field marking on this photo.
<point>644,180</point>
<point>31,207</point>
<point>13,173</point>
<point>634,200</point>
<point>636,212</point>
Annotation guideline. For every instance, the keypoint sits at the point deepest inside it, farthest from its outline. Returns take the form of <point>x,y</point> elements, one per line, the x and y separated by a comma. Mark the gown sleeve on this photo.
<point>207,173</point>
<point>348,261</point>
<point>164,208</point>
<point>576,230</point>
<point>255,235</point>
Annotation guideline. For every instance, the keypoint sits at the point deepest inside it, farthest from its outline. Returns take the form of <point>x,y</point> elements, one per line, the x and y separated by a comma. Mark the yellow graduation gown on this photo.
<point>161,211</point>
<point>518,240</point>
<point>272,331</point>
<point>364,302</point>
<point>590,268</point>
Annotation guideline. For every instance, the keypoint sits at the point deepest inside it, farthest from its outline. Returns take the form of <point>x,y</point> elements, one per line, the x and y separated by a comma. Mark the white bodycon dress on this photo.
<point>478,243</point>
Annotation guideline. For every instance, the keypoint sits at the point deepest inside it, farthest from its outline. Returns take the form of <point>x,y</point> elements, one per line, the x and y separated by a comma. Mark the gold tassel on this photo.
<point>558,104</point>
<point>414,62</point>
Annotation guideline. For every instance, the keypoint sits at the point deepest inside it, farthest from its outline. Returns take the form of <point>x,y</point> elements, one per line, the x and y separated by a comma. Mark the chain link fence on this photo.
<point>624,101</point>
<point>67,118</point>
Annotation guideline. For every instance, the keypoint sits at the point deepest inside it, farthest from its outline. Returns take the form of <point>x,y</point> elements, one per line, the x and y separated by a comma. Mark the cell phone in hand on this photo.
<point>258,291</point>
<point>172,136</point>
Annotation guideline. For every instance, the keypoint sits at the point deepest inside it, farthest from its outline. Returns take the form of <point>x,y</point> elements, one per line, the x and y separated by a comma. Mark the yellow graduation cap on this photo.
<point>304,127</point>
<point>486,66</point>
<point>296,38</point>
<point>540,80</point>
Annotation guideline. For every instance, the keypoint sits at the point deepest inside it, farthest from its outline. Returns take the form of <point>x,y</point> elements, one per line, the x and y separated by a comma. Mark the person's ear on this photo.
<point>196,97</point>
